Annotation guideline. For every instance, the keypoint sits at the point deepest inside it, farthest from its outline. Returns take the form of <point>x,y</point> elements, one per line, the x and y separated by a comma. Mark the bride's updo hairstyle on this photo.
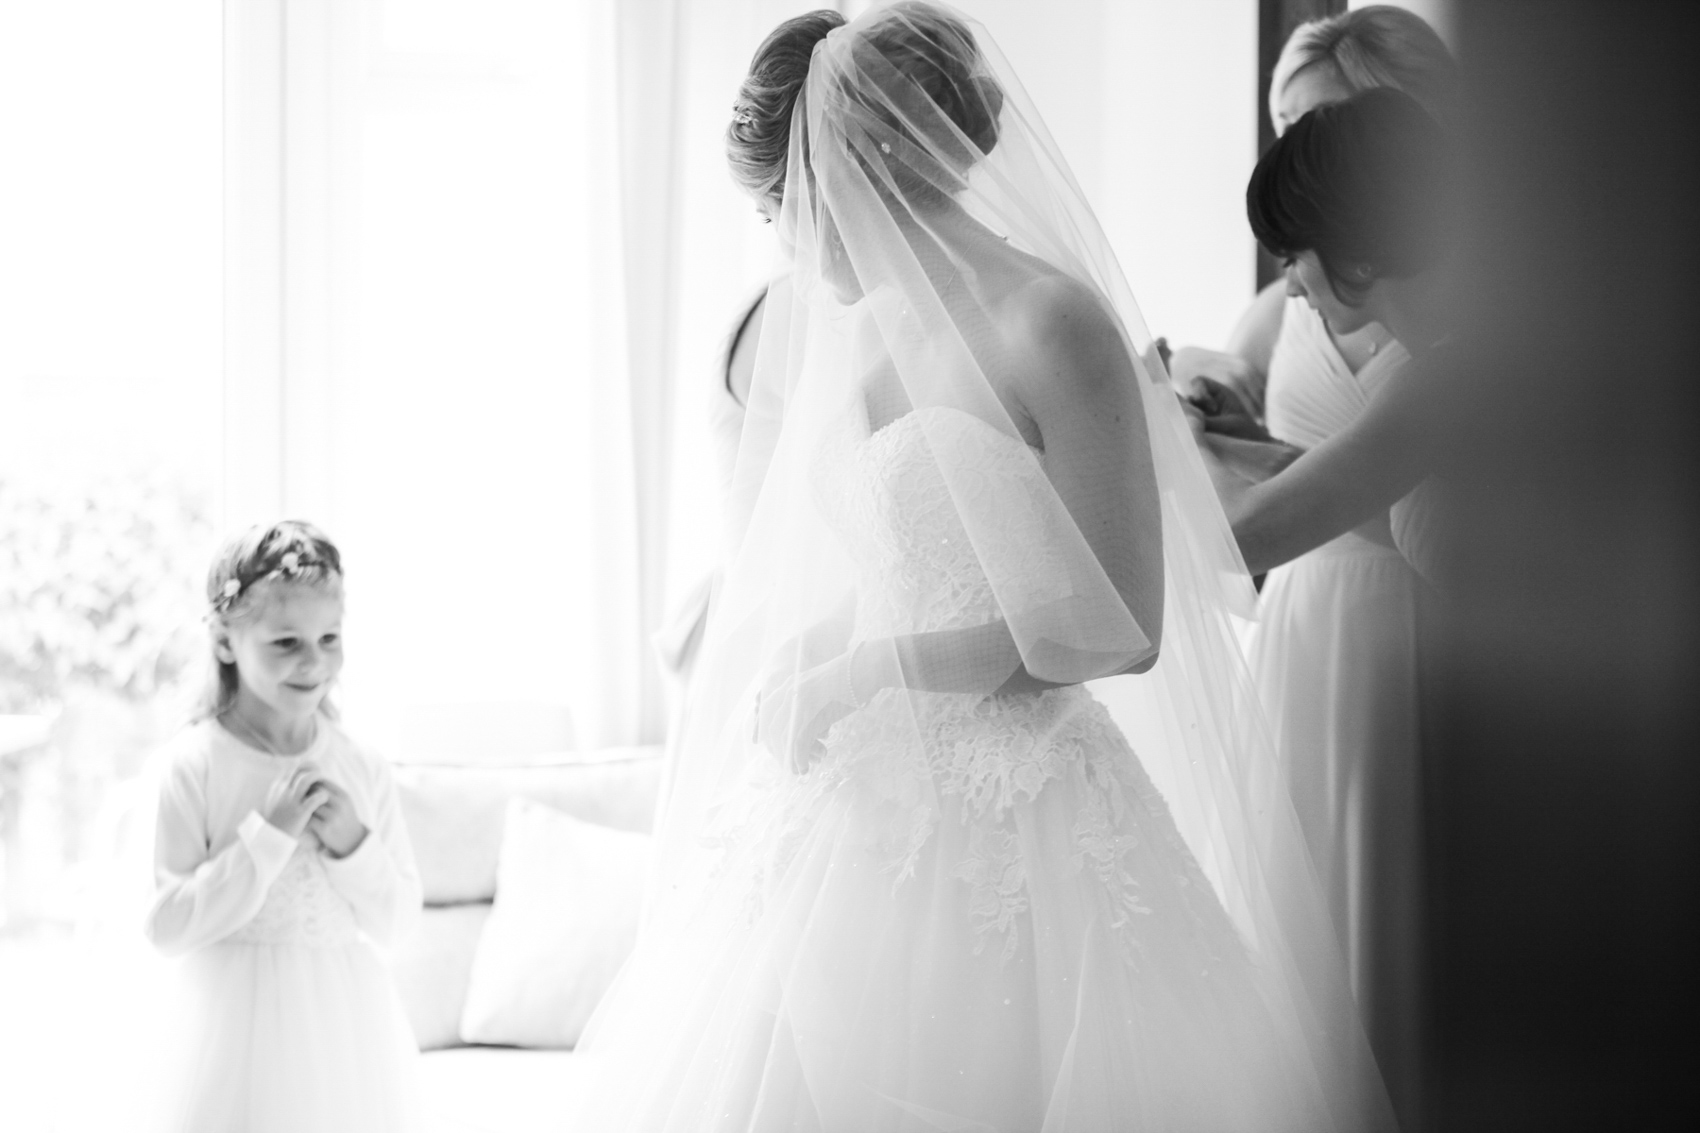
<point>912,77</point>
<point>1364,183</point>
<point>1374,46</point>
<point>759,137</point>
<point>941,66</point>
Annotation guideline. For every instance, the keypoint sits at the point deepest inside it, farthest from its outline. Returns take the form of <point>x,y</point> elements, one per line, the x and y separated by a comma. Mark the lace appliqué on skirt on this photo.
<point>932,758</point>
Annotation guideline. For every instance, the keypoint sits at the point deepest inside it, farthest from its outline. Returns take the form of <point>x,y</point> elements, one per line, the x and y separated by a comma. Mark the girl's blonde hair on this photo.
<point>291,551</point>
<point>1375,46</point>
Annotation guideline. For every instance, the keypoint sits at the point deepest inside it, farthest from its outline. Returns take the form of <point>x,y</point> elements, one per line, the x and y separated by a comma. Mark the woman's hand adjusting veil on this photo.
<point>805,690</point>
<point>1195,369</point>
<point>796,709</point>
<point>1226,410</point>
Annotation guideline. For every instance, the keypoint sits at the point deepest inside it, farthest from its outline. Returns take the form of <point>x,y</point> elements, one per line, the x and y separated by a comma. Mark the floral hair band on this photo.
<point>292,565</point>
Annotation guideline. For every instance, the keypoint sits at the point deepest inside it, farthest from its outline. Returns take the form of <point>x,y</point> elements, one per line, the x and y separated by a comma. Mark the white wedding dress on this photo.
<point>969,911</point>
<point>975,912</point>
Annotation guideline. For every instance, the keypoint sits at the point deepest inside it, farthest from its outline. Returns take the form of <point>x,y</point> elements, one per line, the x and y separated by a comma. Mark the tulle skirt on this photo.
<point>287,1038</point>
<point>975,914</point>
<point>1334,655</point>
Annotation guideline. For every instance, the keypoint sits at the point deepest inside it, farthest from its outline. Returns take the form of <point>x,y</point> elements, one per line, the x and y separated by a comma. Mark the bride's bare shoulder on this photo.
<point>1064,332</point>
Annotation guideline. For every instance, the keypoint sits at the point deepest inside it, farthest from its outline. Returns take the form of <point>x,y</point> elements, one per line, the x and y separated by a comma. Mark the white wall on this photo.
<point>1153,103</point>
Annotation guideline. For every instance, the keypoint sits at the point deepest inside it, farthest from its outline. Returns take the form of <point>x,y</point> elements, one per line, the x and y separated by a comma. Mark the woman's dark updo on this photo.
<point>933,52</point>
<point>759,137</point>
<point>1364,183</point>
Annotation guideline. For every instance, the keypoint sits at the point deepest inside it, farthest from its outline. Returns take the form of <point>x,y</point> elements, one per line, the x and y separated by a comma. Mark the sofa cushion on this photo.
<point>568,898</point>
<point>454,814</point>
<point>431,971</point>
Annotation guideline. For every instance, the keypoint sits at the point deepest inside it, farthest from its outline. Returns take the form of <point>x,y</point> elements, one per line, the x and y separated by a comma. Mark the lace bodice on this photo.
<point>301,907</point>
<point>923,759</point>
<point>899,513</point>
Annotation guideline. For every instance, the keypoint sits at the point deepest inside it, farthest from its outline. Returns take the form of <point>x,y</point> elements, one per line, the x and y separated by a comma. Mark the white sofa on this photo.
<point>455,816</point>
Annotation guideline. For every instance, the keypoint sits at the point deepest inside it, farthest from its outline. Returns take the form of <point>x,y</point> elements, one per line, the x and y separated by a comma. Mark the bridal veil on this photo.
<point>921,192</point>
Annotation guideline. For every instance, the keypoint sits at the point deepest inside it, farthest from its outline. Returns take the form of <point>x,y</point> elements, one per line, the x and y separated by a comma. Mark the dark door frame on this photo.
<point>1276,20</point>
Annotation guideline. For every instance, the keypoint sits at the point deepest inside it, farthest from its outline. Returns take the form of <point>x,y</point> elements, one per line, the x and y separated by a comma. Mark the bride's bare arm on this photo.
<point>1078,383</point>
<point>1079,387</point>
<point>977,659</point>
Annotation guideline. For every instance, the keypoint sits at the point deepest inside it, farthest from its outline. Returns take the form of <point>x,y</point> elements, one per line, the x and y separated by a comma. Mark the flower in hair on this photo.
<point>232,587</point>
<point>742,118</point>
<point>291,562</point>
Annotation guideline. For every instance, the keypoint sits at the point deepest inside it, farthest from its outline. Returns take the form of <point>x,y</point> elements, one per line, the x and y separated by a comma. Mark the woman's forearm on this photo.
<point>981,659</point>
<point>1343,483</point>
<point>978,659</point>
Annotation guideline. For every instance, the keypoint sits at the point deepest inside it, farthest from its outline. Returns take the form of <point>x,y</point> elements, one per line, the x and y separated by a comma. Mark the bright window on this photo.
<point>111,333</point>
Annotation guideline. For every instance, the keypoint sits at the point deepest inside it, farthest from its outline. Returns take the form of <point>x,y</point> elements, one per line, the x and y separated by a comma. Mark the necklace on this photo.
<point>249,734</point>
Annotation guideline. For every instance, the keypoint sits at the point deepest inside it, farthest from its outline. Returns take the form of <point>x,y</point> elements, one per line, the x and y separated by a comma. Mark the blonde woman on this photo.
<point>1334,651</point>
<point>1326,61</point>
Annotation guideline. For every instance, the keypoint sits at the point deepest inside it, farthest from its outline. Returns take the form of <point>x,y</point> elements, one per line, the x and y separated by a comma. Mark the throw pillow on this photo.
<point>568,898</point>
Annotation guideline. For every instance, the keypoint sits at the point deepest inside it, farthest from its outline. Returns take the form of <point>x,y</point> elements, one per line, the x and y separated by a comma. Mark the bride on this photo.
<point>911,876</point>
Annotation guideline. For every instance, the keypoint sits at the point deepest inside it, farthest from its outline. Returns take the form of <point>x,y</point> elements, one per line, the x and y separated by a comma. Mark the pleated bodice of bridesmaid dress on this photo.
<point>1312,394</point>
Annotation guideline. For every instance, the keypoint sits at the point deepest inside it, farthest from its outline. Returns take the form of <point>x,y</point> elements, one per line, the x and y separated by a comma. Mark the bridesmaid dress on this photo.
<point>679,641</point>
<point>1334,658</point>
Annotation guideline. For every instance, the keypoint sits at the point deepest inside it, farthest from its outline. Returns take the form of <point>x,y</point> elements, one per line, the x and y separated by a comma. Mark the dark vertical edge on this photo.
<point>1276,20</point>
<point>1563,704</point>
<point>1269,40</point>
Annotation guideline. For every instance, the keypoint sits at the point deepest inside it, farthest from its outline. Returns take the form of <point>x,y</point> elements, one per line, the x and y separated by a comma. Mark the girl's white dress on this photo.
<point>1334,655</point>
<point>291,1022</point>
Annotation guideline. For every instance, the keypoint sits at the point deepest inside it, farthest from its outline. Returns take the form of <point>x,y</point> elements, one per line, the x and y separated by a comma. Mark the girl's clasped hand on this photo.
<point>294,799</point>
<point>304,803</point>
<point>335,823</point>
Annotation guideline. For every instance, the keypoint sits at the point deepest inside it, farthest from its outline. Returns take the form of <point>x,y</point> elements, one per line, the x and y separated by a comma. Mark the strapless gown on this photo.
<point>974,913</point>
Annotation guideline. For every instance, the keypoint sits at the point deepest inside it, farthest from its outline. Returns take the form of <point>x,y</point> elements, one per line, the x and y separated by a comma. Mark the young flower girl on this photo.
<point>280,858</point>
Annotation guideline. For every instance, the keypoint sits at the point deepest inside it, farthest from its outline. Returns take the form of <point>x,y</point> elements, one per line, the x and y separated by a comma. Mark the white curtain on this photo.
<point>723,254</point>
<point>489,466</point>
<point>429,356</point>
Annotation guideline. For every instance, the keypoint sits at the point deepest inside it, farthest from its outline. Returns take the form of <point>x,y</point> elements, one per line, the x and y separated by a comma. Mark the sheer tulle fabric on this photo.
<point>283,1038</point>
<point>969,911</point>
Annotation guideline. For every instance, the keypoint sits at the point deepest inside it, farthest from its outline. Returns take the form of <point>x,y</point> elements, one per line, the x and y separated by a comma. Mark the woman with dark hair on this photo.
<point>910,875</point>
<point>1334,650</point>
<point>1360,205</point>
<point>1278,342</point>
<point>1354,199</point>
